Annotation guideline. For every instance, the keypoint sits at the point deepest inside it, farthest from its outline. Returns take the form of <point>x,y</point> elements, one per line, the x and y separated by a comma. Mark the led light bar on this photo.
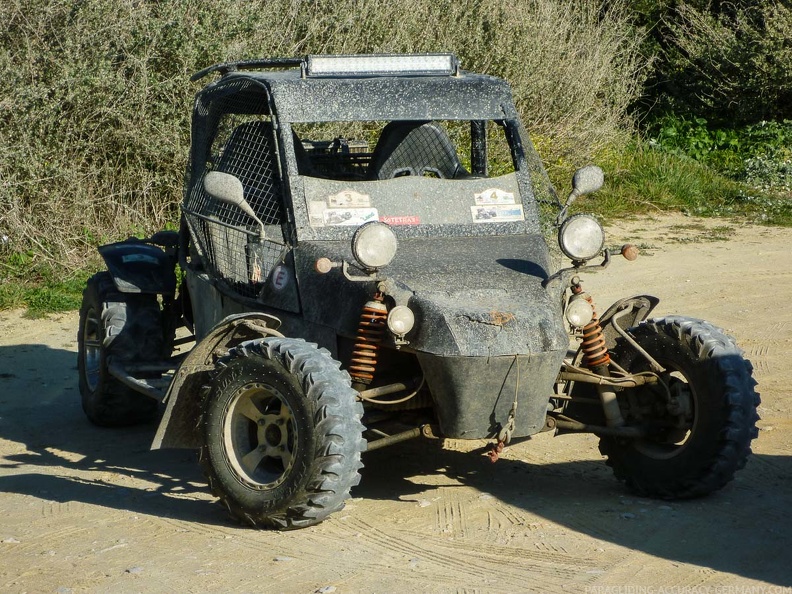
<point>383,65</point>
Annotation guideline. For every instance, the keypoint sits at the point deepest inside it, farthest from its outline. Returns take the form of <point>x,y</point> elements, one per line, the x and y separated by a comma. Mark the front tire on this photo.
<point>126,327</point>
<point>701,437</point>
<point>282,434</point>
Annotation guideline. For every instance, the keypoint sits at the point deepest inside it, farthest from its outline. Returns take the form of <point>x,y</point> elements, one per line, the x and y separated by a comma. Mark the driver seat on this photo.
<point>415,148</point>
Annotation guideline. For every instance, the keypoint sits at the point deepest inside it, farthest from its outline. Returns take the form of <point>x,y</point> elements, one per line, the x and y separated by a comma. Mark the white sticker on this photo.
<point>497,213</point>
<point>349,199</point>
<point>494,196</point>
<point>280,277</point>
<point>350,216</point>
<point>316,213</point>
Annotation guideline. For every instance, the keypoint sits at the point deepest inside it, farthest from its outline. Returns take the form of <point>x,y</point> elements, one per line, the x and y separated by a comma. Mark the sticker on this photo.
<point>401,220</point>
<point>316,212</point>
<point>497,213</point>
<point>494,196</point>
<point>255,270</point>
<point>256,262</point>
<point>350,216</point>
<point>280,277</point>
<point>349,199</point>
<point>130,258</point>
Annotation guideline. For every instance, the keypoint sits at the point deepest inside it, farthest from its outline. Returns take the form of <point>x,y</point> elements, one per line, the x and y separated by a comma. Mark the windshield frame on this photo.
<point>518,142</point>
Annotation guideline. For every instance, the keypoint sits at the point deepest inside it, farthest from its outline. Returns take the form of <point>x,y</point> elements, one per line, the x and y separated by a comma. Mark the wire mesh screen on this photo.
<point>227,238</point>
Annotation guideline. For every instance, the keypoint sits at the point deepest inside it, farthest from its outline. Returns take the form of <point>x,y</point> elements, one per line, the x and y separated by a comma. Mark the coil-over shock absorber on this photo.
<point>597,358</point>
<point>595,352</point>
<point>370,333</point>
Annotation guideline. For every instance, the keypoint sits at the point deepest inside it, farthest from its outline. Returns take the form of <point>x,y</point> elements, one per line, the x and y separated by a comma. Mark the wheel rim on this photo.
<point>259,436</point>
<point>674,441</point>
<point>92,349</point>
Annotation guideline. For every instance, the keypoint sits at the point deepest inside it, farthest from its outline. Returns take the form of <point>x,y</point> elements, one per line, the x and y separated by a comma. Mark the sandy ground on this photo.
<point>87,509</point>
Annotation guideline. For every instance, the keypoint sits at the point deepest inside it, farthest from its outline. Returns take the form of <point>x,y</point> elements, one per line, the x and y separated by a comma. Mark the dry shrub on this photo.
<point>733,67</point>
<point>95,106</point>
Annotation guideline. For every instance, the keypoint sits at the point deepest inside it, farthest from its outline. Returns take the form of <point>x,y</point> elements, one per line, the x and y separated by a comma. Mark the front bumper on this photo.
<point>474,395</point>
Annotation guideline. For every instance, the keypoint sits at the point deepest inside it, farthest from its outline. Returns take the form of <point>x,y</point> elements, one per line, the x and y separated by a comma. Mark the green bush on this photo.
<point>758,154</point>
<point>728,62</point>
<point>95,106</point>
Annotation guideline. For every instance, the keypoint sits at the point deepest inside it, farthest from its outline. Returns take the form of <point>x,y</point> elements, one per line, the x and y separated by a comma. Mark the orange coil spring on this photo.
<point>371,331</point>
<point>595,353</point>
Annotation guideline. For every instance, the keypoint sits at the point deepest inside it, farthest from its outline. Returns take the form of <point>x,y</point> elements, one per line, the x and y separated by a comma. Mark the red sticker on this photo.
<point>406,220</point>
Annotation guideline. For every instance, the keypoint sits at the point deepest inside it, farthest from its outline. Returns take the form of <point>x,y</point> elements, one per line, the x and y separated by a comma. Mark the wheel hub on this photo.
<point>679,419</point>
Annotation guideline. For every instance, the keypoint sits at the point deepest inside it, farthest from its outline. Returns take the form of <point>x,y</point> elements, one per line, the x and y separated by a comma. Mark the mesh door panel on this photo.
<point>223,232</point>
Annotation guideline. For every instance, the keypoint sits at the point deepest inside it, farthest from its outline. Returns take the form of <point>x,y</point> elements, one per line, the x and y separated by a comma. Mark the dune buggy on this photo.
<point>361,261</point>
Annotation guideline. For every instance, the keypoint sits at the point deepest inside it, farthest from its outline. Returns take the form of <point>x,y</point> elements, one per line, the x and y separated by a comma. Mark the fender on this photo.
<point>178,427</point>
<point>139,267</point>
<point>639,306</point>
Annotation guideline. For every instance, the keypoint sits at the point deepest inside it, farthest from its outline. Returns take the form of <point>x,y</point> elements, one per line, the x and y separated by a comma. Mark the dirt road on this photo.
<point>87,509</point>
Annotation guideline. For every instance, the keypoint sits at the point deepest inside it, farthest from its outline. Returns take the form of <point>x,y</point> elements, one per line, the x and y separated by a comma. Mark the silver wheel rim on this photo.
<point>92,349</point>
<point>259,436</point>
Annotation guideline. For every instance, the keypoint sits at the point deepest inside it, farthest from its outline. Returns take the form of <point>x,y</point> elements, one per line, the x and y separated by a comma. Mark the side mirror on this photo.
<point>586,180</point>
<point>227,188</point>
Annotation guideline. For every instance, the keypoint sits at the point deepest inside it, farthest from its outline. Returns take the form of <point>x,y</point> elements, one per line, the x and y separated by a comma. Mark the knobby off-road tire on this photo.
<point>126,327</point>
<point>282,434</point>
<point>679,464</point>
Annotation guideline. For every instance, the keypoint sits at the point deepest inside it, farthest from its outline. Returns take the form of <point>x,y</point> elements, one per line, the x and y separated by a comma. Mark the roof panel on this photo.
<point>470,96</point>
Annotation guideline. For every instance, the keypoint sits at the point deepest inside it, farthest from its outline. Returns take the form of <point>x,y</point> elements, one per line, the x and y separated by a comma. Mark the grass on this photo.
<point>43,293</point>
<point>642,179</point>
<point>96,105</point>
<point>95,124</point>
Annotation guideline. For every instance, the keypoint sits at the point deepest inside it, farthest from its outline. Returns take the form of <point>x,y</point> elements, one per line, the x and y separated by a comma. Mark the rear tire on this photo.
<point>697,448</point>
<point>126,327</point>
<point>282,434</point>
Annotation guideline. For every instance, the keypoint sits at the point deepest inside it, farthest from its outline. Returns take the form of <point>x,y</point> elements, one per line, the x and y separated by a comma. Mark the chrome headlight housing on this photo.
<point>581,237</point>
<point>401,320</point>
<point>578,312</point>
<point>374,245</point>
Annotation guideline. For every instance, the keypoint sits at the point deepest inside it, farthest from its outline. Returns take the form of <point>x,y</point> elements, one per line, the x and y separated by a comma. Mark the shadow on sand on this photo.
<point>39,407</point>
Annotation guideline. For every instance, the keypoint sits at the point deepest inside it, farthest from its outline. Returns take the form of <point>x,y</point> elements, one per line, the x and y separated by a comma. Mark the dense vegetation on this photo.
<point>686,104</point>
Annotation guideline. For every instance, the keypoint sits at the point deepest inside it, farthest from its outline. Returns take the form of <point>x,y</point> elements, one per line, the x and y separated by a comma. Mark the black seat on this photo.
<point>415,148</point>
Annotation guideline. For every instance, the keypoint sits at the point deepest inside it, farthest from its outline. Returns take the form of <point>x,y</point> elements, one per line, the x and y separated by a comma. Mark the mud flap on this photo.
<point>178,427</point>
<point>139,267</point>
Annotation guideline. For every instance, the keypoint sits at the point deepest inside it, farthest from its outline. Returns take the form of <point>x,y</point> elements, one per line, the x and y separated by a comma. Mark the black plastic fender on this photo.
<point>178,427</point>
<point>639,306</point>
<point>139,267</point>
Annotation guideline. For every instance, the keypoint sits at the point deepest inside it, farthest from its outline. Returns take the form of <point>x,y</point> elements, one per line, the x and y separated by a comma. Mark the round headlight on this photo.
<point>374,245</point>
<point>401,320</point>
<point>579,312</point>
<point>581,237</point>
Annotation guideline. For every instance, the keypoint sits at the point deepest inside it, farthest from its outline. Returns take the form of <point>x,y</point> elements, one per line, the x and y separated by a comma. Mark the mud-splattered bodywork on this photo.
<point>486,335</point>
